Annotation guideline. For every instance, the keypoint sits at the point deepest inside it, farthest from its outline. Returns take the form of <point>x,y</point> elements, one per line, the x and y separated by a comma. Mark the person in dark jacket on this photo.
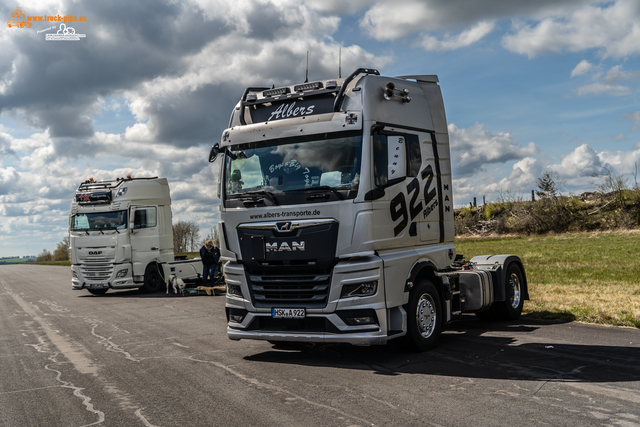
<point>210,256</point>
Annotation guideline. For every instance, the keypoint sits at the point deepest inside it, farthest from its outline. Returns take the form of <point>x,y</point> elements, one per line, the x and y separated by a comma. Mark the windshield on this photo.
<point>99,221</point>
<point>283,166</point>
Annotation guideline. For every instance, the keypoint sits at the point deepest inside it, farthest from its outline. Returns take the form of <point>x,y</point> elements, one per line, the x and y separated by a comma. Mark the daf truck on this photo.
<point>337,217</point>
<point>121,236</point>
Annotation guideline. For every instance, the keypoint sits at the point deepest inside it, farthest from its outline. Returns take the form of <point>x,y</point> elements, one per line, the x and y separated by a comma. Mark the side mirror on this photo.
<point>215,150</point>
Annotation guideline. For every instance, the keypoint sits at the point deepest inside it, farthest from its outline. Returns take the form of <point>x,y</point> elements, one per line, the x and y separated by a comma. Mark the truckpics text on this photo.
<point>121,237</point>
<point>337,217</point>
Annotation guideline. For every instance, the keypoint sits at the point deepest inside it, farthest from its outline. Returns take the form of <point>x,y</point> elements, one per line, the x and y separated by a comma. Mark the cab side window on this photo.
<point>413,154</point>
<point>395,156</point>
<point>145,218</point>
<point>380,159</point>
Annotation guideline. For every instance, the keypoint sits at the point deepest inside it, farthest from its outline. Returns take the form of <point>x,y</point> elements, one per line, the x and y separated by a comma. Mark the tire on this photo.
<point>511,308</point>
<point>98,291</point>
<point>152,280</point>
<point>424,316</point>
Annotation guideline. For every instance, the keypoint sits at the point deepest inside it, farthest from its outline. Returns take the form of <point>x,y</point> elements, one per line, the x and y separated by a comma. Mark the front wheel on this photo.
<point>152,280</point>
<point>424,316</point>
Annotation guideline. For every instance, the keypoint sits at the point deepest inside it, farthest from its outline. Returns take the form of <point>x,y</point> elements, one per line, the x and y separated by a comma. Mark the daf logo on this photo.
<point>283,226</point>
<point>285,246</point>
<point>95,252</point>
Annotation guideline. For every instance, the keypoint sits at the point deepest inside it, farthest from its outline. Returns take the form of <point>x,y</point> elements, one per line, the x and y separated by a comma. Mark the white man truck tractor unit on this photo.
<point>121,236</point>
<point>337,217</point>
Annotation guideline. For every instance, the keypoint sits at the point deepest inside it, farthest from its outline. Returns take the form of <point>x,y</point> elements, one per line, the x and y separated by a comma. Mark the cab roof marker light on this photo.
<point>275,92</point>
<point>252,97</point>
<point>331,84</point>
<point>308,86</point>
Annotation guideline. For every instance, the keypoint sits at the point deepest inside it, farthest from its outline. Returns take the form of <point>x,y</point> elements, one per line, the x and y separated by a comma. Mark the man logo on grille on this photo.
<point>283,226</point>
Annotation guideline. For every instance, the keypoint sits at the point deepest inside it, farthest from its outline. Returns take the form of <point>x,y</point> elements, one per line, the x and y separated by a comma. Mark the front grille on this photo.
<point>96,272</point>
<point>296,290</point>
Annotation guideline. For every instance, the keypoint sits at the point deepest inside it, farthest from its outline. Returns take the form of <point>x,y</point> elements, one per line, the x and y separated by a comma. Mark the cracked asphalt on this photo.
<point>68,358</point>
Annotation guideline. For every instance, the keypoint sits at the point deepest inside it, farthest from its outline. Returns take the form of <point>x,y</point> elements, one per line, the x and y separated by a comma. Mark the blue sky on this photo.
<point>529,87</point>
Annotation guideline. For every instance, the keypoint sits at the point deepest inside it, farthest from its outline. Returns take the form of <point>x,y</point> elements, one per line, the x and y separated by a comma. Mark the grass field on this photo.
<point>589,277</point>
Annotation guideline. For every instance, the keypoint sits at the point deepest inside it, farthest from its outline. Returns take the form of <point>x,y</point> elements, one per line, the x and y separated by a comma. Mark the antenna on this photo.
<point>340,63</point>
<point>306,76</point>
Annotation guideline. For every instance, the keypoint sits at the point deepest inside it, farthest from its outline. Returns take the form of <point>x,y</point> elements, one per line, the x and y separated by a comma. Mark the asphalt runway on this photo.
<point>68,358</point>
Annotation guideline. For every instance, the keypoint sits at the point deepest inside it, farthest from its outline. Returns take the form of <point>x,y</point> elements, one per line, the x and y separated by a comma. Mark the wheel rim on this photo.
<point>426,315</point>
<point>514,282</point>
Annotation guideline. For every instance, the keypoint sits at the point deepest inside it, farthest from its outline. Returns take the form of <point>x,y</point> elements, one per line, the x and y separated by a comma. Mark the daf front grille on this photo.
<point>95,272</point>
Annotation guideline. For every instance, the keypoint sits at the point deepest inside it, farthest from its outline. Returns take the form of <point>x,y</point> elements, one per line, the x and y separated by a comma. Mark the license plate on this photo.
<point>97,286</point>
<point>288,313</point>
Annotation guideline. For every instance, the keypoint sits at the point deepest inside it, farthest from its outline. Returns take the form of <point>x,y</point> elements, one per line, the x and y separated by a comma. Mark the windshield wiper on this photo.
<point>319,188</point>
<point>252,194</point>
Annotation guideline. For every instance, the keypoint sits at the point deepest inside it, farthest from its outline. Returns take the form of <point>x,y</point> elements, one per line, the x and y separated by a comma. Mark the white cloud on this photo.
<point>611,28</point>
<point>617,74</point>
<point>474,149</point>
<point>580,163</point>
<point>337,7</point>
<point>465,38</point>
<point>602,89</point>
<point>620,162</point>
<point>583,67</point>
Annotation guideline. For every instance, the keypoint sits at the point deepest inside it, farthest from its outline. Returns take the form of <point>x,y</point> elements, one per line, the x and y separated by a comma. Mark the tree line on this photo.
<point>614,204</point>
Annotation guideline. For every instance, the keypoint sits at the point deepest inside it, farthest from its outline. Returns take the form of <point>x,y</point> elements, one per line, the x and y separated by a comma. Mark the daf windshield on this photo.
<point>99,221</point>
<point>278,168</point>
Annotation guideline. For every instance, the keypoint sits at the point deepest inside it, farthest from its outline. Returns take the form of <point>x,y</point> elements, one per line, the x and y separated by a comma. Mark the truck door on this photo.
<point>430,227</point>
<point>406,168</point>
<point>145,237</point>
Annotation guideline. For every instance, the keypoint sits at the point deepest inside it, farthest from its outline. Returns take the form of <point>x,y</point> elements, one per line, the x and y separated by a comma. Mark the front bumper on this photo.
<point>339,332</point>
<point>80,280</point>
<point>330,324</point>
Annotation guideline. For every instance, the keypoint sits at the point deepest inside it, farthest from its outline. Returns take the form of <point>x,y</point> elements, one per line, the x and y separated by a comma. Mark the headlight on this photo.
<point>74,274</point>
<point>359,289</point>
<point>122,273</point>
<point>234,290</point>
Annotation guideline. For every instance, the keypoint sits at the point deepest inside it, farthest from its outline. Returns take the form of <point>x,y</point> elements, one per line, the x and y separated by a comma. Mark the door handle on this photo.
<point>154,248</point>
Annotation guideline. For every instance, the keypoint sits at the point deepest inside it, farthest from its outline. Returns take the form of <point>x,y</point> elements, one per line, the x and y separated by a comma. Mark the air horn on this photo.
<point>391,92</point>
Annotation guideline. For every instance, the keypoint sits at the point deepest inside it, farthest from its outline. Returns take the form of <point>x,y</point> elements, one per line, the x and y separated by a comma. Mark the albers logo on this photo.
<point>290,110</point>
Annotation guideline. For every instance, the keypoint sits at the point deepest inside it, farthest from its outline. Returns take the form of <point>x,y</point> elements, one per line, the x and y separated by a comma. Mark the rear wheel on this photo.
<point>511,308</point>
<point>424,316</point>
<point>152,280</point>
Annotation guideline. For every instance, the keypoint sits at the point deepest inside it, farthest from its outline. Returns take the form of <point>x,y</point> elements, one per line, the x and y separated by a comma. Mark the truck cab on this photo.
<point>121,236</point>
<point>337,214</point>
